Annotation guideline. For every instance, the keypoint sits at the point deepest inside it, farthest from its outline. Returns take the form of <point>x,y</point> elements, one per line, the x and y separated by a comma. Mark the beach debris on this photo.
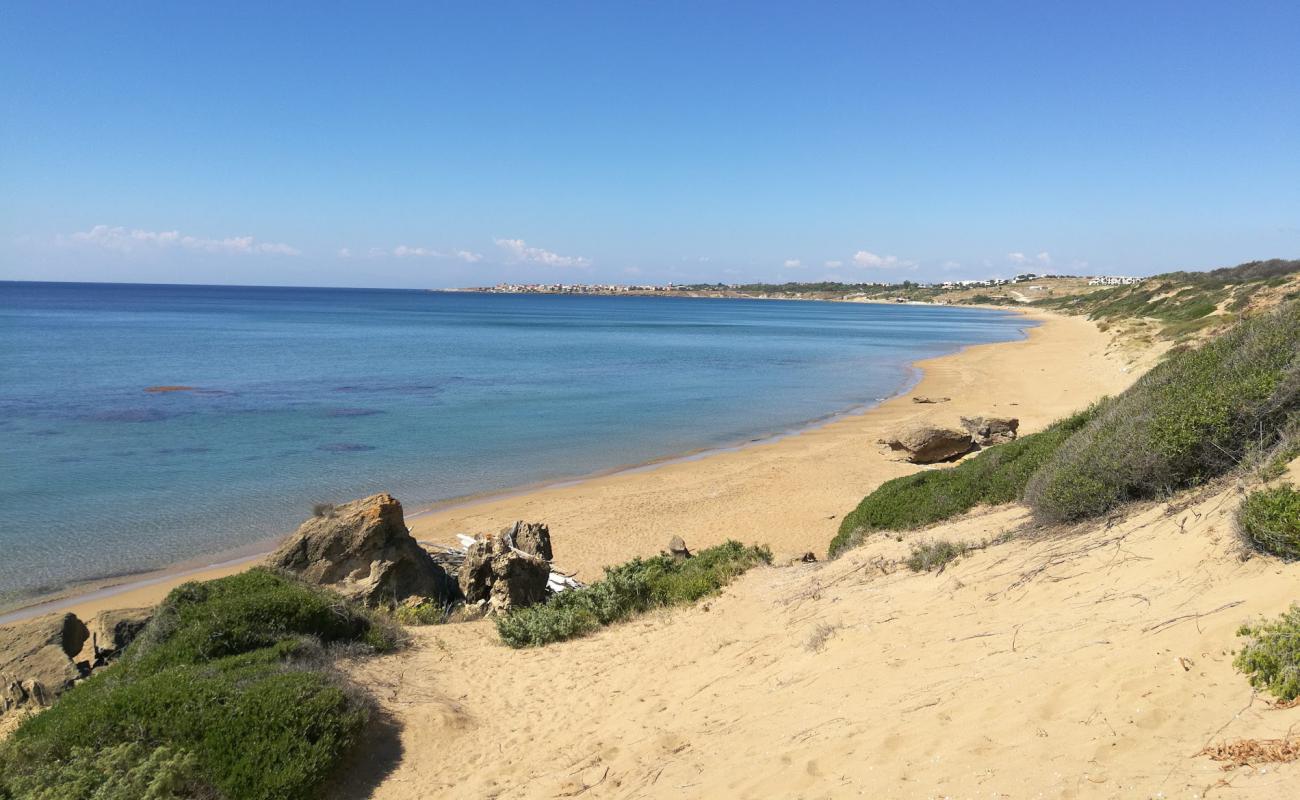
<point>677,549</point>
<point>509,570</point>
<point>364,551</point>
<point>928,444</point>
<point>111,631</point>
<point>37,660</point>
<point>920,398</point>
<point>988,431</point>
<point>1249,752</point>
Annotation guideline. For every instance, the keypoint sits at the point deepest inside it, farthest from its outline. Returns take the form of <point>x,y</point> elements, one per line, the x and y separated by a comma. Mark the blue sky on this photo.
<point>432,145</point>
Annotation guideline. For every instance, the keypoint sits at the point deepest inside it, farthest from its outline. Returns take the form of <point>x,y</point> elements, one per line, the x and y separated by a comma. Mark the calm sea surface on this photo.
<point>312,395</point>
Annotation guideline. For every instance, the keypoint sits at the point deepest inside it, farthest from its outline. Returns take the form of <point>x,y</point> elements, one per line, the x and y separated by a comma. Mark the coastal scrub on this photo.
<point>1193,417</point>
<point>1269,520</point>
<point>1271,659</point>
<point>627,589</point>
<point>228,691</point>
<point>991,477</point>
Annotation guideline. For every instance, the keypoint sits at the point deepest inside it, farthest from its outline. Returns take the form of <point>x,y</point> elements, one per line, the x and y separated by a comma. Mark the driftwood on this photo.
<point>451,558</point>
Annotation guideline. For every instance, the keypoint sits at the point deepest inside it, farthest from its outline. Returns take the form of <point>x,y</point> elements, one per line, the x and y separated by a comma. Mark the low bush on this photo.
<point>429,612</point>
<point>227,692</point>
<point>1271,659</point>
<point>991,477</point>
<point>1269,520</point>
<point>627,589</point>
<point>932,555</point>
<point>1194,416</point>
<point>120,772</point>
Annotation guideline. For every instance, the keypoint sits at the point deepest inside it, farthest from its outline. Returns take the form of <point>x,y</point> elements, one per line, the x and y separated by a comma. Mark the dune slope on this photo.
<point>1088,663</point>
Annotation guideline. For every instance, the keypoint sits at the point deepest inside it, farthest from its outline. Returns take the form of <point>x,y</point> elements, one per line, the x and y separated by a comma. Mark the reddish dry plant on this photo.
<point>1248,752</point>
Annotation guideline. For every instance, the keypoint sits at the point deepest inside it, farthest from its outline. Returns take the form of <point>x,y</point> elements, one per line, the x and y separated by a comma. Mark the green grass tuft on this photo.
<point>627,589</point>
<point>1191,418</point>
<point>1270,520</point>
<point>228,691</point>
<point>1271,659</point>
<point>928,556</point>
<point>991,477</point>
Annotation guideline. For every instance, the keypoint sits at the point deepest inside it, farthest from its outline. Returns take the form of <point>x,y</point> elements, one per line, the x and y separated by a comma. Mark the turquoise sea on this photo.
<point>302,396</point>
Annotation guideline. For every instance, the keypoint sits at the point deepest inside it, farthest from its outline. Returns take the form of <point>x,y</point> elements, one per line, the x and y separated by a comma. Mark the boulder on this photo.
<point>928,444</point>
<point>531,537</point>
<point>114,630</point>
<point>36,660</point>
<point>363,551</point>
<point>991,430</point>
<point>677,549</point>
<point>503,575</point>
<point>519,580</point>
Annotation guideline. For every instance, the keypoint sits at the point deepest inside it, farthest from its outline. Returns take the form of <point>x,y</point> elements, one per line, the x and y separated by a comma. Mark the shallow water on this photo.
<point>298,396</point>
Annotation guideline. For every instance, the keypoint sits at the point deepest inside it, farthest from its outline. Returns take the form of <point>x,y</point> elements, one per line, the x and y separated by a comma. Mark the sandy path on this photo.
<point>1092,665</point>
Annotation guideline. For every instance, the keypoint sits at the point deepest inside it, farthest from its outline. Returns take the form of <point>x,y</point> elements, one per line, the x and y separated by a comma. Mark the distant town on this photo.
<point>814,290</point>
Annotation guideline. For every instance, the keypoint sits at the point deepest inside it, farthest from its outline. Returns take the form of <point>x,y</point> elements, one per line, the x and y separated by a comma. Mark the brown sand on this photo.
<point>788,493</point>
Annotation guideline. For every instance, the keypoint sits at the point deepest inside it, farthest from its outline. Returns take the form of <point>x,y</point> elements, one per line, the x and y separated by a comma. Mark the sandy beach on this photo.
<point>788,493</point>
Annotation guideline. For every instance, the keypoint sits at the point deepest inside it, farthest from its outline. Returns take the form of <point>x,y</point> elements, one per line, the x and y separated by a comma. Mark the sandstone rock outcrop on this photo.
<point>36,660</point>
<point>991,430</point>
<point>364,551</point>
<point>677,549</point>
<point>114,630</point>
<point>510,570</point>
<point>532,537</point>
<point>928,444</point>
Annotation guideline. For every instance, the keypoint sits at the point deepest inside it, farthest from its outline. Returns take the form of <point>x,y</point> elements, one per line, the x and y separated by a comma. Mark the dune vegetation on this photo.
<point>990,477</point>
<point>1193,417</point>
<point>1197,415</point>
<point>631,588</point>
<point>1271,656</point>
<point>1269,519</point>
<point>1184,302</point>
<point>229,692</point>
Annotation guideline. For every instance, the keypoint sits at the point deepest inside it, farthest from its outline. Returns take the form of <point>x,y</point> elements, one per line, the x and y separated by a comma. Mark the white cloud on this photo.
<point>833,264</point>
<point>631,270</point>
<point>865,258</point>
<point>951,265</point>
<point>793,263</point>
<point>518,250</point>
<point>406,251</point>
<point>116,237</point>
<point>1020,258</point>
<point>411,251</point>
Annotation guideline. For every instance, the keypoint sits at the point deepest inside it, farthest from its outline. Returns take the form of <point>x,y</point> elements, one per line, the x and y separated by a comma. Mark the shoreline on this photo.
<point>440,520</point>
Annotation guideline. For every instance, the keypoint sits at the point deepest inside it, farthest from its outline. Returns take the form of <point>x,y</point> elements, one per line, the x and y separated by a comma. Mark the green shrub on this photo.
<point>927,556</point>
<point>627,589</point>
<point>121,772</point>
<point>991,477</point>
<point>428,612</point>
<point>1270,520</point>
<point>227,689</point>
<point>1271,659</point>
<point>1192,417</point>
<point>247,611</point>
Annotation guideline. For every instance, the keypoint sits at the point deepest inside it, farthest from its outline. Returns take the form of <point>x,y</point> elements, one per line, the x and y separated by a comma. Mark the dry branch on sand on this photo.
<point>1248,752</point>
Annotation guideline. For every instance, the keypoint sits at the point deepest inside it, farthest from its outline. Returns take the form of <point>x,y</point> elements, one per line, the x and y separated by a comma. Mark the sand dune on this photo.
<point>1085,663</point>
